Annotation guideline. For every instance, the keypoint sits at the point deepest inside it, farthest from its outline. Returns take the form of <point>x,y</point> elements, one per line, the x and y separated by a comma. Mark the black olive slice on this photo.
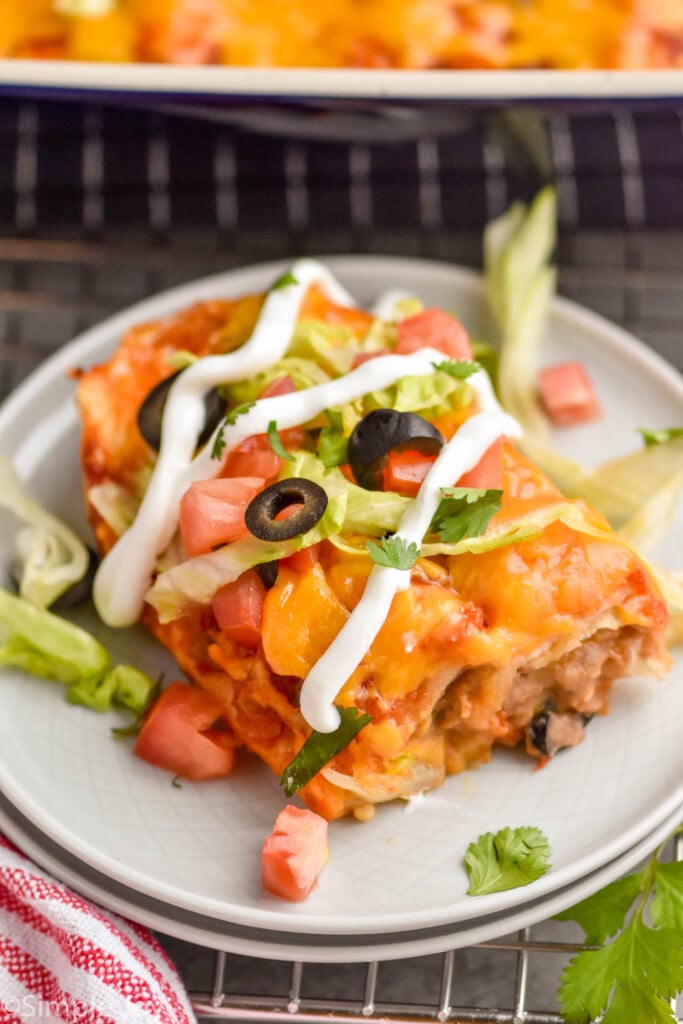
<point>385,430</point>
<point>267,573</point>
<point>538,729</point>
<point>152,410</point>
<point>262,511</point>
<point>547,731</point>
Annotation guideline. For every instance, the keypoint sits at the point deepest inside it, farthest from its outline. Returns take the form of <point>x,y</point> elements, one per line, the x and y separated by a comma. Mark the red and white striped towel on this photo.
<point>65,960</point>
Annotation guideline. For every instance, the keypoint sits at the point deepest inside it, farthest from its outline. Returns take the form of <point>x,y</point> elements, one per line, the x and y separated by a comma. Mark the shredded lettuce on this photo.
<point>619,486</point>
<point>675,630</point>
<point>520,283</point>
<point>94,692</point>
<point>637,492</point>
<point>428,394</point>
<point>132,688</point>
<point>48,646</point>
<point>117,506</point>
<point>305,373</point>
<point>644,528</point>
<point>52,557</point>
<point>332,448</point>
<point>45,644</point>
<point>380,335</point>
<point>181,358</point>
<point>328,345</point>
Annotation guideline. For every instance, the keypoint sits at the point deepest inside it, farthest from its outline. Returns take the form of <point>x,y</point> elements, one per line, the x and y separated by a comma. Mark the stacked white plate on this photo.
<point>187,860</point>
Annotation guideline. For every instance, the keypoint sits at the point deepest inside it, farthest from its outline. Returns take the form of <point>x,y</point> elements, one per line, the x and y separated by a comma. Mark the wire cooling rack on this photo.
<point>101,206</point>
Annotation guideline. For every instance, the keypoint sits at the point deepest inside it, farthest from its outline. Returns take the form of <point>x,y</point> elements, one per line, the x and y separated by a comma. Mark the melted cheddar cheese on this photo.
<point>484,34</point>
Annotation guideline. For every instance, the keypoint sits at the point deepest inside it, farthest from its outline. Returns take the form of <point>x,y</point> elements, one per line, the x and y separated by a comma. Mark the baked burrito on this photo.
<point>321,512</point>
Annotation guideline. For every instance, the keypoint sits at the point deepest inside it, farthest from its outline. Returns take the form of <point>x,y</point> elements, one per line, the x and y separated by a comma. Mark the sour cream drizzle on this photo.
<point>126,573</point>
<point>345,653</point>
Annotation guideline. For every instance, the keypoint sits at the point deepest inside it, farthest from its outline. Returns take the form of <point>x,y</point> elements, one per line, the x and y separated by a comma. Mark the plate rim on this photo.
<point>310,84</point>
<point>231,283</point>
<point>154,913</point>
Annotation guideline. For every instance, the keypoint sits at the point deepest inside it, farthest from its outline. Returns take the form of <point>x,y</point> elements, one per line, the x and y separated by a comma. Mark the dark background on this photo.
<point>101,206</point>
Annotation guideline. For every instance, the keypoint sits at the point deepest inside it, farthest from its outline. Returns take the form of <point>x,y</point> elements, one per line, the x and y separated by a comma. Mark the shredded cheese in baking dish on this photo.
<point>477,34</point>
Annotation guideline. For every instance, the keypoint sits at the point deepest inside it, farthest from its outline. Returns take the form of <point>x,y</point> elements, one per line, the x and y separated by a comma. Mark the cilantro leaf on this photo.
<point>282,282</point>
<point>602,914</point>
<point>394,552</point>
<point>219,443</point>
<point>465,512</point>
<point>633,977</point>
<point>332,447</point>
<point>320,748</point>
<point>651,437</point>
<point>461,369</point>
<point>276,442</point>
<point>630,979</point>
<point>229,421</point>
<point>666,908</point>
<point>506,860</point>
<point>239,410</point>
<point>638,1006</point>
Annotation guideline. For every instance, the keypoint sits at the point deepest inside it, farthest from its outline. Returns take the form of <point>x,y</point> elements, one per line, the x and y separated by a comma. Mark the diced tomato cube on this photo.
<point>488,472</point>
<point>238,608</point>
<point>255,457</point>
<point>405,471</point>
<point>212,511</point>
<point>567,395</point>
<point>182,733</point>
<point>365,357</point>
<point>302,561</point>
<point>294,854</point>
<point>434,328</point>
<point>251,459</point>
<point>283,385</point>
<point>292,437</point>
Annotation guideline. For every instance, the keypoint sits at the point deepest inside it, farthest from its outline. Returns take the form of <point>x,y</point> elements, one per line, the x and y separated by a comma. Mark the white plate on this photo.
<point>198,847</point>
<point>313,85</point>
<point>206,931</point>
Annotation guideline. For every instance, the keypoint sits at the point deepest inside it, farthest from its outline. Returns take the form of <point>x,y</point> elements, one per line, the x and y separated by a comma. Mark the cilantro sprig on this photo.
<point>229,421</point>
<point>465,512</point>
<point>276,442</point>
<point>320,748</point>
<point>506,860</point>
<point>633,976</point>
<point>286,279</point>
<point>394,552</point>
<point>460,369</point>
